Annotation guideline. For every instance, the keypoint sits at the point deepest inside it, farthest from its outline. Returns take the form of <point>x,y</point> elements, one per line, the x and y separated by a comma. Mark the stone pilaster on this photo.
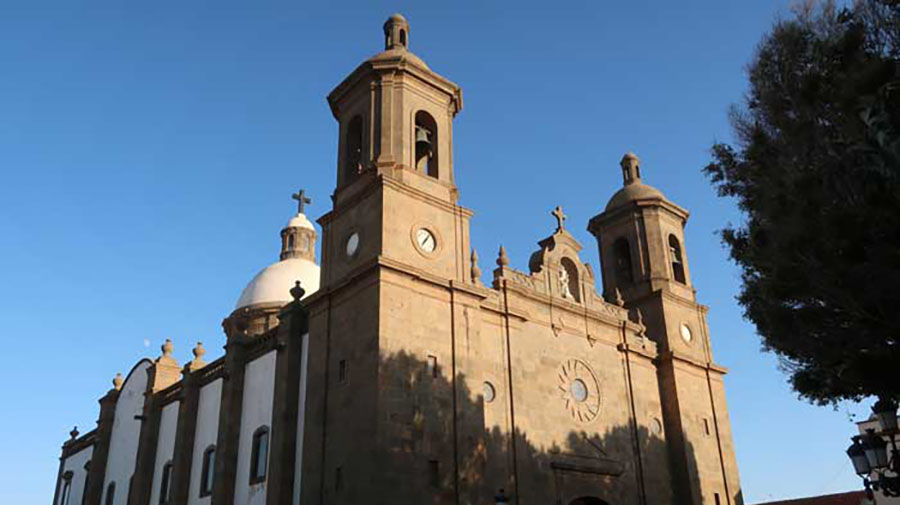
<point>97,473</point>
<point>186,428</point>
<point>285,409</point>
<point>229,431</point>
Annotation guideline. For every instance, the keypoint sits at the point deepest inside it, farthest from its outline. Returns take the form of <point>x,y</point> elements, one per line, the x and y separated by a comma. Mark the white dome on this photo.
<point>300,221</point>
<point>273,284</point>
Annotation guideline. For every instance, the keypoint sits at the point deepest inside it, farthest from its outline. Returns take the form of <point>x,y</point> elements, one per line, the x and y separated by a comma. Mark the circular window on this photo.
<point>489,392</point>
<point>686,333</point>
<point>578,390</point>
<point>352,244</point>
<point>656,426</point>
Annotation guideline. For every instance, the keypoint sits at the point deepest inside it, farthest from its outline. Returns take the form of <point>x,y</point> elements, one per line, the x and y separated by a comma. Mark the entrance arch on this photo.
<point>588,500</point>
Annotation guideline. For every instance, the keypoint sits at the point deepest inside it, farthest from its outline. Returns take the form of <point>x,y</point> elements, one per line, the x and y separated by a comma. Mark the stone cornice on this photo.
<point>77,445</point>
<point>673,356</point>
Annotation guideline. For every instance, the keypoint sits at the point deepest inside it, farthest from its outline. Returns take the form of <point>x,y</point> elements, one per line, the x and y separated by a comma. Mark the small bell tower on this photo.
<point>640,235</point>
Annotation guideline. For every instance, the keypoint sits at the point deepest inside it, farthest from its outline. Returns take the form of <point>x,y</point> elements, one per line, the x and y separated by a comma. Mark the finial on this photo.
<point>502,259</point>
<point>640,317</point>
<point>396,32</point>
<point>560,218</point>
<point>631,168</point>
<point>198,351</point>
<point>297,291</point>
<point>619,300</point>
<point>302,200</point>
<point>167,348</point>
<point>117,381</point>
<point>476,272</point>
<point>74,433</point>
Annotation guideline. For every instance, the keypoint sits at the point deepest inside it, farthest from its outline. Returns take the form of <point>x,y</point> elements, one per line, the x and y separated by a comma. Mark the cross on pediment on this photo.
<point>302,200</point>
<point>560,218</point>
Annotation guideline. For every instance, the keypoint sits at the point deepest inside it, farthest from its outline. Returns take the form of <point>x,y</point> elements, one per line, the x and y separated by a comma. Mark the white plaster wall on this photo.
<point>205,436</point>
<point>165,446</point>
<point>123,441</point>
<point>256,411</point>
<point>75,464</point>
<point>301,414</point>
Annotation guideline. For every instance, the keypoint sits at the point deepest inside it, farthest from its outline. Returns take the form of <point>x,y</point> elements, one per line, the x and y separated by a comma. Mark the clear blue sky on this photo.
<point>148,151</point>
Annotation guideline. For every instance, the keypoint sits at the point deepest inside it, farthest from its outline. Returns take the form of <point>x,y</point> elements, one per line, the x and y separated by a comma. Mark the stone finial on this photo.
<point>640,317</point>
<point>198,361</point>
<point>167,348</point>
<point>631,168</point>
<point>73,433</point>
<point>619,300</point>
<point>502,258</point>
<point>297,291</point>
<point>117,381</point>
<point>476,272</point>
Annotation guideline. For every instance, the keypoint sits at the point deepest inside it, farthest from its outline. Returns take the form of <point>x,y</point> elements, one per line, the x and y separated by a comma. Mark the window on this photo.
<point>290,242</point>
<point>353,142</point>
<point>338,479</point>
<point>403,38</point>
<point>706,426</point>
<point>110,494</point>
<point>622,262</point>
<point>426,142</point>
<point>718,501</point>
<point>87,475</point>
<point>677,261</point>
<point>342,371</point>
<point>434,474</point>
<point>66,488</point>
<point>164,483</point>
<point>208,471</point>
<point>259,455</point>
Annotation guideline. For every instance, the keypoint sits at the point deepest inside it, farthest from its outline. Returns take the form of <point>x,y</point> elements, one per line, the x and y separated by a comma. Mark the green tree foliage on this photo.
<point>815,170</point>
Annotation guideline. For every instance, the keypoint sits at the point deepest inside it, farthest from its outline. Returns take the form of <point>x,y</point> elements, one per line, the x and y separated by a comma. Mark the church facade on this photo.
<point>396,373</point>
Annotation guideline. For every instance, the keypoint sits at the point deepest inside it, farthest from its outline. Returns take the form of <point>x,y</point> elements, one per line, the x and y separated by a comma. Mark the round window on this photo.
<point>489,392</point>
<point>579,390</point>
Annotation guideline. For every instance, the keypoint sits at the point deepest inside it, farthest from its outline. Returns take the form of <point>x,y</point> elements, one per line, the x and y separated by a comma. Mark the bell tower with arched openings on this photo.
<point>640,235</point>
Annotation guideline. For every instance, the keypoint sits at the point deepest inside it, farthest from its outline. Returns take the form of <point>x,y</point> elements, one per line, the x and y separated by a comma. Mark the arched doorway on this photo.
<point>588,500</point>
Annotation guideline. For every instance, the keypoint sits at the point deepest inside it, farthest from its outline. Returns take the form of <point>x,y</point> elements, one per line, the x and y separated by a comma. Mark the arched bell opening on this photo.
<point>426,142</point>
<point>353,142</point>
<point>677,260</point>
<point>622,263</point>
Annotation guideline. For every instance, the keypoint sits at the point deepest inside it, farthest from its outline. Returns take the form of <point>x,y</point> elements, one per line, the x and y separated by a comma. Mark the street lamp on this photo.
<point>869,452</point>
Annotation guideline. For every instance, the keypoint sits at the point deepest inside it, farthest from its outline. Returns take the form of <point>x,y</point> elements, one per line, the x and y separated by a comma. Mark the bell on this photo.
<point>423,144</point>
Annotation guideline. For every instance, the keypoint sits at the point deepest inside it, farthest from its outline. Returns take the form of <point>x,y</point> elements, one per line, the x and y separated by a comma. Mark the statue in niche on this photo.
<point>564,283</point>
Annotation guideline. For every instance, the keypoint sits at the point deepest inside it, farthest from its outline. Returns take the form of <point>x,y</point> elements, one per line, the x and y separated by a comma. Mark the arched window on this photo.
<point>569,275</point>
<point>622,262</point>
<point>110,494</point>
<point>353,142</point>
<point>426,144</point>
<point>207,471</point>
<point>259,455</point>
<point>290,242</point>
<point>403,38</point>
<point>676,258</point>
<point>66,488</point>
<point>165,483</point>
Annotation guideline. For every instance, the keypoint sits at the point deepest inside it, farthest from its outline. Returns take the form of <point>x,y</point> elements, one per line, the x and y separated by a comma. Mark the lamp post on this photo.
<point>879,470</point>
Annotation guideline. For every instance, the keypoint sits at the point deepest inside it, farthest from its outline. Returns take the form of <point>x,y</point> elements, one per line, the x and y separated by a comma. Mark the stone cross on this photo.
<point>560,218</point>
<point>302,200</point>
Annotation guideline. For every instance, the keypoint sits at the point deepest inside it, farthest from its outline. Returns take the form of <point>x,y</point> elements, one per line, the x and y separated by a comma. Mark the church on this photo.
<point>406,368</point>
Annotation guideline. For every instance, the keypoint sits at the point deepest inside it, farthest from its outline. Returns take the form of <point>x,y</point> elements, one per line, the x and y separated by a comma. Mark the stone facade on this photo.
<point>406,378</point>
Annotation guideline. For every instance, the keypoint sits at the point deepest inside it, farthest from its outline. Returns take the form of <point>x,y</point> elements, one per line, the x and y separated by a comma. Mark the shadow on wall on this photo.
<point>597,465</point>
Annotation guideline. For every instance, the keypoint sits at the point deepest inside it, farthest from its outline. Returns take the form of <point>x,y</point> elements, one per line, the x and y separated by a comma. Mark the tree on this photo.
<point>815,170</point>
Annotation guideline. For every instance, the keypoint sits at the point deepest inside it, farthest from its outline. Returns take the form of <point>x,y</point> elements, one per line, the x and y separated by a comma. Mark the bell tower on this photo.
<point>395,196</point>
<point>640,235</point>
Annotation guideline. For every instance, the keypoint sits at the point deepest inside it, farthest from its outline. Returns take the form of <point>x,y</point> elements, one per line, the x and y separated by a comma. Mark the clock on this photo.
<point>580,390</point>
<point>352,243</point>
<point>425,240</point>
<point>686,333</point>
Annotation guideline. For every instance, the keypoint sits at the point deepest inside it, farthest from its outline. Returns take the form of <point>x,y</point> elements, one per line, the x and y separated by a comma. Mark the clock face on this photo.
<point>579,389</point>
<point>352,244</point>
<point>425,240</point>
<point>686,333</point>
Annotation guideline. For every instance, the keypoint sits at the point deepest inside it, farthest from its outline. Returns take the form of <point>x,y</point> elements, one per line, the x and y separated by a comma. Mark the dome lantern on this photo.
<point>396,33</point>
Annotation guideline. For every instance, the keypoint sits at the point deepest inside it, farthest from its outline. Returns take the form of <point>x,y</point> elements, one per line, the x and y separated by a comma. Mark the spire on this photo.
<point>631,169</point>
<point>298,238</point>
<point>396,33</point>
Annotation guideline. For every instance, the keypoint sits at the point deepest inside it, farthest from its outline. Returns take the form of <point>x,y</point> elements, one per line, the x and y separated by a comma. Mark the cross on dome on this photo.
<point>560,218</point>
<point>302,200</point>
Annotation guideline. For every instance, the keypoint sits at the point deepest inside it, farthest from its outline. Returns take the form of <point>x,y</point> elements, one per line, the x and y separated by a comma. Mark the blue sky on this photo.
<point>148,152</point>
